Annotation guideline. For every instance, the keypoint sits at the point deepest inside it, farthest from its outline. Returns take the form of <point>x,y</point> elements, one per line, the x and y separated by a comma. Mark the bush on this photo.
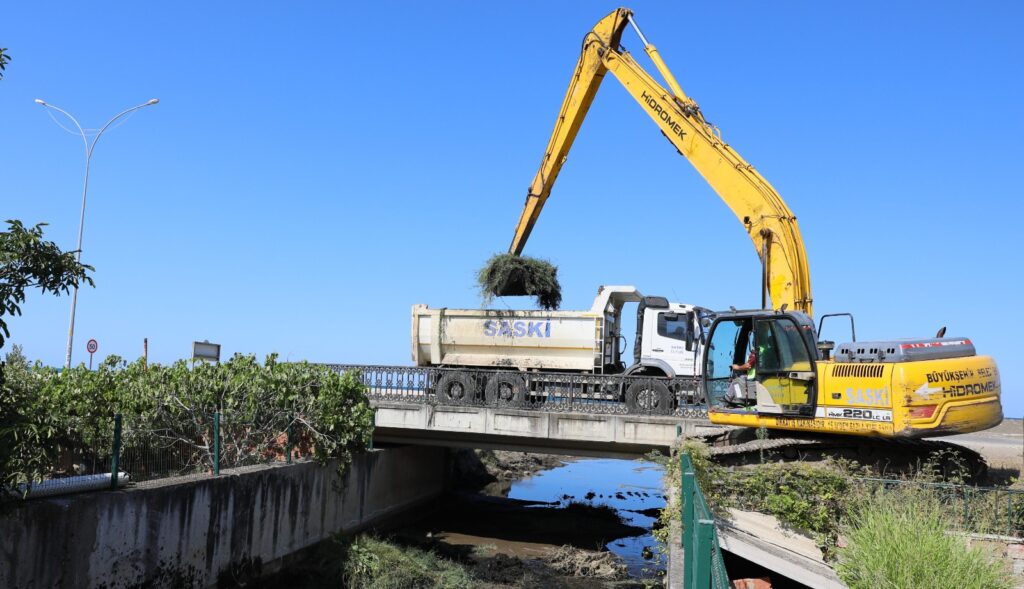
<point>46,415</point>
<point>509,275</point>
<point>900,539</point>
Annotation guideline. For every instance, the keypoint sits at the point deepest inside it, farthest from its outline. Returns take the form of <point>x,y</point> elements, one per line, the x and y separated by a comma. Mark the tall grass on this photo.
<point>900,539</point>
<point>375,564</point>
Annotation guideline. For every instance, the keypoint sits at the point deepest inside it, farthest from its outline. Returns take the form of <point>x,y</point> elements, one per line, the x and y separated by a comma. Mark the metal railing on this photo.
<point>108,452</point>
<point>988,510</point>
<point>703,566</point>
<point>538,391</point>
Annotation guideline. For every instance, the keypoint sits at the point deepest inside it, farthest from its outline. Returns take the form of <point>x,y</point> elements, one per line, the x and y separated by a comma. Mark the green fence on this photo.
<point>988,510</point>
<point>196,446</point>
<point>703,566</point>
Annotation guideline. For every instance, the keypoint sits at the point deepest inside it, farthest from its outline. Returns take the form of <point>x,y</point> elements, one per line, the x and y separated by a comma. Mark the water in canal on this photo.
<point>632,487</point>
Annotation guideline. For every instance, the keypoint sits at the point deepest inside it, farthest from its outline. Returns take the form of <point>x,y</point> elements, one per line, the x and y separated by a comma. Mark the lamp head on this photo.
<point>153,101</point>
<point>40,101</point>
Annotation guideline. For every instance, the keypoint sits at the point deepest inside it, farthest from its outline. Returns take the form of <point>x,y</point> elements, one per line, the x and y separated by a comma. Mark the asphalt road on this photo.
<point>1002,445</point>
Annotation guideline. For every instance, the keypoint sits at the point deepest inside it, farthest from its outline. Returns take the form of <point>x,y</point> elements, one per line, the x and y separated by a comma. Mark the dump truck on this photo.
<point>517,354</point>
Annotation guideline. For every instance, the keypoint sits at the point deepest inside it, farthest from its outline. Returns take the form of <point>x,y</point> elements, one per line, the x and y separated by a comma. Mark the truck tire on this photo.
<point>505,389</point>
<point>456,388</point>
<point>649,396</point>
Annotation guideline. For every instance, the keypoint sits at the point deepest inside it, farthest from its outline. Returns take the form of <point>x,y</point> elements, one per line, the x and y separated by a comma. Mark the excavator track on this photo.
<point>886,456</point>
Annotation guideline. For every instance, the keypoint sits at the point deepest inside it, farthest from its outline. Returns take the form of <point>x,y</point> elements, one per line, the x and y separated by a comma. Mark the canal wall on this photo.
<point>240,525</point>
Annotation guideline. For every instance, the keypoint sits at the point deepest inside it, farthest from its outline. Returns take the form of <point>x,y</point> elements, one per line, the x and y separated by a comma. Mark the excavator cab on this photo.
<point>777,353</point>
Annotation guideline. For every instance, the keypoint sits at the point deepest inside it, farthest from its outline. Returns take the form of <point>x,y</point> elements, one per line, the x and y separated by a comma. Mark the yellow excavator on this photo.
<point>766,367</point>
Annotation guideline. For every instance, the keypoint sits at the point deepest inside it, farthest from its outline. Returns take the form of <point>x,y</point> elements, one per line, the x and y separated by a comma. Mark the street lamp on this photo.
<point>85,189</point>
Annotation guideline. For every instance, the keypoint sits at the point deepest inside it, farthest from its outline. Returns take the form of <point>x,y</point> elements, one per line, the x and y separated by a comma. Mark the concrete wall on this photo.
<point>188,533</point>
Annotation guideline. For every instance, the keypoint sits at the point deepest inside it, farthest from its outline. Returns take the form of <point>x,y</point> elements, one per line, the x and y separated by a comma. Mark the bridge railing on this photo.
<point>540,391</point>
<point>703,566</point>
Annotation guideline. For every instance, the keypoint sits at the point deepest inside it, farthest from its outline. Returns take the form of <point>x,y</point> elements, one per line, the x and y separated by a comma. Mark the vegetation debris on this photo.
<point>510,275</point>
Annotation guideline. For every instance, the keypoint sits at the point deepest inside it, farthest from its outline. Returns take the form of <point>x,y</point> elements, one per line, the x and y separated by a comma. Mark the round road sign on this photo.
<point>92,346</point>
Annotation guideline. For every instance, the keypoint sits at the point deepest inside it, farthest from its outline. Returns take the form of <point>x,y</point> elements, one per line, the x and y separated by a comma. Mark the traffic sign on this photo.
<point>91,346</point>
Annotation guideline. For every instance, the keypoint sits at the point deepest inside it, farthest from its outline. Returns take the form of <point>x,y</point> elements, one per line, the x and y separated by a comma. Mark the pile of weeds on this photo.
<point>509,275</point>
<point>901,538</point>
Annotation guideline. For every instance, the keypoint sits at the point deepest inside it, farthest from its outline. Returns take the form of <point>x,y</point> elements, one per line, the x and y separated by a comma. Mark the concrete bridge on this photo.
<point>580,434</point>
<point>579,414</point>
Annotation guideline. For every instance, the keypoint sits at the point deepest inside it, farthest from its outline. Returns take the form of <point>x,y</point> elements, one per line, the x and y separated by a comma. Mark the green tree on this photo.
<point>5,58</point>
<point>26,261</point>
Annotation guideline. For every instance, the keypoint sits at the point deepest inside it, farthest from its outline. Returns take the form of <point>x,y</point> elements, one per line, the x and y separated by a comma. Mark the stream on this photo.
<point>547,521</point>
<point>602,509</point>
<point>632,488</point>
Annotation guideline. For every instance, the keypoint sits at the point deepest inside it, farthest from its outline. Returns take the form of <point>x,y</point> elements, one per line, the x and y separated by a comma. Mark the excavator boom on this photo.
<point>772,227</point>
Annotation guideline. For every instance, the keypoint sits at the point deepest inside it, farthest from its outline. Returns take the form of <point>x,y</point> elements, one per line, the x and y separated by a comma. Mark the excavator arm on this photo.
<point>772,227</point>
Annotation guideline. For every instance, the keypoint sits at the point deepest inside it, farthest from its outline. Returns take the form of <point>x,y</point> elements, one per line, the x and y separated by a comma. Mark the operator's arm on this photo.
<point>751,361</point>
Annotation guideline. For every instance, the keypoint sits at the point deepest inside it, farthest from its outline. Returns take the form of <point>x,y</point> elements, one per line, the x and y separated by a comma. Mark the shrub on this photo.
<point>46,415</point>
<point>900,539</point>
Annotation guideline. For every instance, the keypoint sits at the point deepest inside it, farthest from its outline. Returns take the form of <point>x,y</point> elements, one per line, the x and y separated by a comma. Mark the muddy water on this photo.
<point>632,488</point>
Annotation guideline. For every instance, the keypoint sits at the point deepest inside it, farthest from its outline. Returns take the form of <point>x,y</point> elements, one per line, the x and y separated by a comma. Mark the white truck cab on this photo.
<point>668,339</point>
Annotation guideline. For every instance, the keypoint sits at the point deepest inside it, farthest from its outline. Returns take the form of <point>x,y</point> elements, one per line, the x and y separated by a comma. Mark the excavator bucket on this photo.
<point>507,275</point>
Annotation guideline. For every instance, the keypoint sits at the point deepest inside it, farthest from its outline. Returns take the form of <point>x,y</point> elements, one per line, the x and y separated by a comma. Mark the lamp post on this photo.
<point>89,146</point>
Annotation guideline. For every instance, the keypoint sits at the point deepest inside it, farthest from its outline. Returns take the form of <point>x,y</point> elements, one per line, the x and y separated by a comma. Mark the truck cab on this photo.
<point>668,340</point>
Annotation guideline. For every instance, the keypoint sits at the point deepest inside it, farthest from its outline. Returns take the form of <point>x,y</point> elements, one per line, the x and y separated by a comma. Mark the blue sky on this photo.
<point>314,169</point>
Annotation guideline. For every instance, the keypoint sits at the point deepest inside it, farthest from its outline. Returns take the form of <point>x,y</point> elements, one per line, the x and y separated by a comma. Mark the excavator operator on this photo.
<point>751,364</point>
<point>742,390</point>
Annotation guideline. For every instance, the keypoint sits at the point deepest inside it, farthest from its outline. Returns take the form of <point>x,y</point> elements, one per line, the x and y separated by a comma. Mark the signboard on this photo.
<point>91,346</point>
<point>204,350</point>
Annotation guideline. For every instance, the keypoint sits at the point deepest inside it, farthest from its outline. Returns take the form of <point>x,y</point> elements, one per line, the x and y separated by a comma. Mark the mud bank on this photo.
<point>514,543</point>
<point>492,472</point>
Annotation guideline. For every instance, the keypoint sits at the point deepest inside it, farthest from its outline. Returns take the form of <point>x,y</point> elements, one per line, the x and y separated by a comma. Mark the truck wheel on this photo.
<point>505,389</point>
<point>650,397</point>
<point>456,388</point>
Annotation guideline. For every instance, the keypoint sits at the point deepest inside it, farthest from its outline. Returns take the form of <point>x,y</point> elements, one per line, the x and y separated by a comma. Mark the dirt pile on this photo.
<point>586,563</point>
<point>562,568</point>
<point>474,470</point>
<point>512,466</point>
